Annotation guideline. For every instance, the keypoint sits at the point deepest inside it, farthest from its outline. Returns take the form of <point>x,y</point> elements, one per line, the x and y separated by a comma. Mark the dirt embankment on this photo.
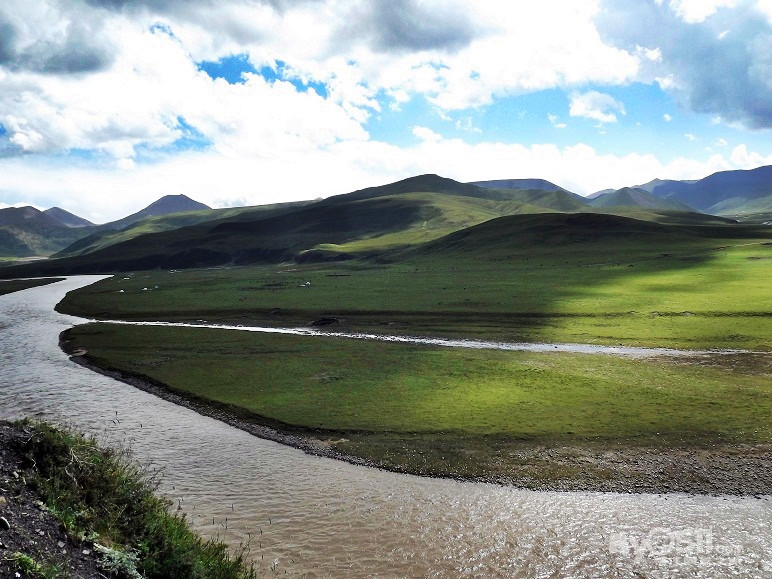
<point>27,528</point>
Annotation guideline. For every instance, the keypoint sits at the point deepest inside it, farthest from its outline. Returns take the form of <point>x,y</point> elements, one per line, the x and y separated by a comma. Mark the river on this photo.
<point>318,517</point>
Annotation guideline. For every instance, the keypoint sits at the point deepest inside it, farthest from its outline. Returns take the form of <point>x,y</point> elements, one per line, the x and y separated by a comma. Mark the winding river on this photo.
<point>318,517</point>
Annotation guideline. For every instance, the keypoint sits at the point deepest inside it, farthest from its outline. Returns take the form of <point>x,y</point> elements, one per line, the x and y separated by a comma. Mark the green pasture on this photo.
<point>15,285</point>
<point>697,293</point>
<point>351,385</point>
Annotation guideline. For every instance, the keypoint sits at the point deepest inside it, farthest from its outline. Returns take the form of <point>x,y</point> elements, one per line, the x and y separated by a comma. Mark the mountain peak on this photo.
<point>163,206</point>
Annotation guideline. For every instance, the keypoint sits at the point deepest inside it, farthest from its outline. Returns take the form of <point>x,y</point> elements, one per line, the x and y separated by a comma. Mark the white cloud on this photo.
<point>426,134</point>
<point>555,121</point>
<point>690,137</point>
<point>595,105</point>
<point>741,158</point>
<point>706,70</point>
<point>694,11</point>
<point>667,117</point>
<point>720,142</point>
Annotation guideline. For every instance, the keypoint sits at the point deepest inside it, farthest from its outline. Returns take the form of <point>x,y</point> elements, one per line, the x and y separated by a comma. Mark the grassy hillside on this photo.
<point>27,232</point>
<point>154,224</point>
<point>632,197</point>
<point>747,210</point>
<point>557,200</point>
<point>343,227</point>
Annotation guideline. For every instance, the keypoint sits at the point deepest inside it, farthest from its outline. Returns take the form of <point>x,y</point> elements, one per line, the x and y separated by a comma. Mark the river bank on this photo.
<point>71,508</point>
<point>622,466</point>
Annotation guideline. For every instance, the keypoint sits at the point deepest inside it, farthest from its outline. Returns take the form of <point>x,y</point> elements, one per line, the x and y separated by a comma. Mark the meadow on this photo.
<point>15,285</point>
<point>694,295</point>
<point>474,414</point>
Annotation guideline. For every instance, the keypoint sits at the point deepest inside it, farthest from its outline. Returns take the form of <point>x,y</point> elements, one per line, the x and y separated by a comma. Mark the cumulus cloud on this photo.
<point>710,72</point>
<point>596,105</point>
<point>107,95</point>
<point>400,25</point>
<point>75,43</point>
<point>426,134</point>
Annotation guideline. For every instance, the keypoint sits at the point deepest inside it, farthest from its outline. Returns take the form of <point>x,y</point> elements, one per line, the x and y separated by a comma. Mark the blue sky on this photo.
<point>106,106</point>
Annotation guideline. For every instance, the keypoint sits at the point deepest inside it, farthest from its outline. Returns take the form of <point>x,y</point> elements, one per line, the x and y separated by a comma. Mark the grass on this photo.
<point>341,384</point>
<point>101,495</point>
<point>636,292</point>
<point>7,287</point>
<point>448,412</point>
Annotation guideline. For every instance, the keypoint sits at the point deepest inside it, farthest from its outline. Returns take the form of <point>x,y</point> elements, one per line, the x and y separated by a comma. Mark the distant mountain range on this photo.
<point>28,232</point>
<point>176,231</point>
<point>739,194</point>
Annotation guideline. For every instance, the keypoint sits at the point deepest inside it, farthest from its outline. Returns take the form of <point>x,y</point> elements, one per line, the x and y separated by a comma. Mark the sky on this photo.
<point>107,105</point>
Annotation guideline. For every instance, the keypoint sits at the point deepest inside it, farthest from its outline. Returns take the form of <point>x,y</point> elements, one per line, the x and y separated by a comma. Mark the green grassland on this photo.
<point>340,384</point>
<point>514,278</point>
<point>7,287</point>
<point>450,412</point>
<point>430,256</point>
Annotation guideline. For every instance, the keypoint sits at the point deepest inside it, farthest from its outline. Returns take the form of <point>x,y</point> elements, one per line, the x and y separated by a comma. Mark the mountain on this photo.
<point>363,223</point>
<point>373,223</point>
<point>27,232</point>
<point>539,184</point>
<point>664,183</point>
<point>66,218</point>
<point>601,192</point>
<point>556,200</point>
<point>722,191</point>
<point>104,238</point>
<point>164,206</point>
<point>421,183</point>
<point>634,197</point>
<point>20,216</point>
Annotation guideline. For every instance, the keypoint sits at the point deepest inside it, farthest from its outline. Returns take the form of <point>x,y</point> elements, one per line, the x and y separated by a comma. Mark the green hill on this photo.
<point>155,224</point>
<point>363,223</point>
<point>548,232</point>
<point>28,232</point>
<point>385,222</point>
<point>557,200</point>
<point>633,197</point>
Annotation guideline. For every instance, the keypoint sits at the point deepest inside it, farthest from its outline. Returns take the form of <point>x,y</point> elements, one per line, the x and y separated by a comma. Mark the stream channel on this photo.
<point>310,516</point>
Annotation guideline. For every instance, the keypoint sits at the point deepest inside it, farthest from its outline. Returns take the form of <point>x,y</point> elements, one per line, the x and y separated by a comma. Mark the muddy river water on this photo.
<point>317,517</point>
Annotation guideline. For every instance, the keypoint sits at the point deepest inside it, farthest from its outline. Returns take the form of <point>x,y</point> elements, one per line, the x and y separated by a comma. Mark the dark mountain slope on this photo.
<point>632,197</point>
<point>27,232</point>
<point>66,218</point>
<point>538,184</point>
